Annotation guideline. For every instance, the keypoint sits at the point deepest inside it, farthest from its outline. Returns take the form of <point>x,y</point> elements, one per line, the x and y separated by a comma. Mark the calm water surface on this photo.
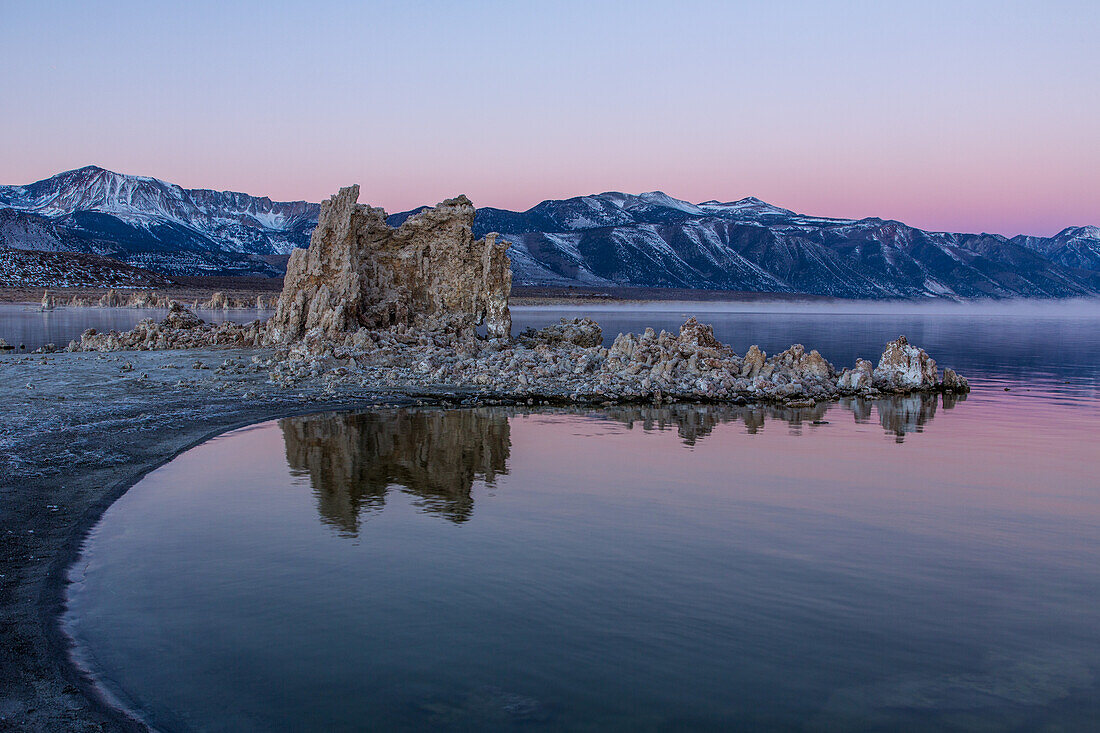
<point>900,564</point>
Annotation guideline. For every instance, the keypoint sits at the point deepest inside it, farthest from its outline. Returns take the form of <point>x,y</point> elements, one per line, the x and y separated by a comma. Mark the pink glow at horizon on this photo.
<point>975,118</point>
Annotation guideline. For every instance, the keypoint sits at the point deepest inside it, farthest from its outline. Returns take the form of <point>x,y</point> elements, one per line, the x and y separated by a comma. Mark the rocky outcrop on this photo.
<point>143,299</point>
<point>47,301</point>
<point>650,367</point>
<point>796,362</point>
<point>662,360</point>
<point>218,301</point>
<point>369,305</point>
<point>905,368</point>
<point>179,317</point>
<point>576,331</point>
<point>222,301</point>
<point>856,379</point>
<point>429,274</point>
<point>180,329</point>
<point>698,335</point>
<point>152,299</point>
<point>953,382</point>
<point>112,299</point>
<point>754,361</point>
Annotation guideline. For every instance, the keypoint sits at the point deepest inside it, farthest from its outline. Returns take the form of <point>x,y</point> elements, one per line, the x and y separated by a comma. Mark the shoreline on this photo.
<point>85,427</point>
<point>64,469</point>
<point>523,296</point>
<point>52,606</point>
<point>128,715</point>
<point>242,289</point>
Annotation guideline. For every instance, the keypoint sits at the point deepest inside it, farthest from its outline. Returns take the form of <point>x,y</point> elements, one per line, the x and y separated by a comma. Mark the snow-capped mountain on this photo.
<point>152,223</point>
<point>652,239</point>
<point>649,239</point>
<point>1077,247</point>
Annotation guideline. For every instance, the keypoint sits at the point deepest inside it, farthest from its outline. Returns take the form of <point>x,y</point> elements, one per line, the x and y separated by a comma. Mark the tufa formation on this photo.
<point>372,306</point>
<point>359,272</point>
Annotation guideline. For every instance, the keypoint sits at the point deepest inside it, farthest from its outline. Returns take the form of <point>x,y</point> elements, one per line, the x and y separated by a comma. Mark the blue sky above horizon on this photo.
<point>960,116</point>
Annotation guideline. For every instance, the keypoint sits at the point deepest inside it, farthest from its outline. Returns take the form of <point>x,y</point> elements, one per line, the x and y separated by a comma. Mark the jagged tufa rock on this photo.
<point>576,331</point>
<point>698,335</point>
<point>904,367</point>
<point>180,317</point>
<point>218,301</point>
<point>180,329</point>
<point>954,382</point>
<point>859,378</point>
<point>112,299</point>
<point>755,359</point>
<point>148,300</point>
<point>429,273</point>
<point>796,362</point>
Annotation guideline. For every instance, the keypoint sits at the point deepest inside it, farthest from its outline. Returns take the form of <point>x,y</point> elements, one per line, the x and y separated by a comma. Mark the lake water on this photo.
<point>902,564</point>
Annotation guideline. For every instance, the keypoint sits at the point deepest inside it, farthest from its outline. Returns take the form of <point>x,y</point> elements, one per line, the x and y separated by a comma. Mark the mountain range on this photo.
<point>602,240</point>
<point>153,224</point>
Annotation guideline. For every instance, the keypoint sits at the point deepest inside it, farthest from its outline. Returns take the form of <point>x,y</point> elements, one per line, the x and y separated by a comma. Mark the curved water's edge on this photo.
<point>38,589</point>
<point>300,442</point>
<point>77,662</point>
<point>88,675</point>
<point>54,602</point>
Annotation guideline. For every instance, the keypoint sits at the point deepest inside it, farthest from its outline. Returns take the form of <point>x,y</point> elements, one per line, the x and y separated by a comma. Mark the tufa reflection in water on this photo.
<point>901,414</point>
<point>436,455</point>
<point>898,415</point>
<point>352,459</point>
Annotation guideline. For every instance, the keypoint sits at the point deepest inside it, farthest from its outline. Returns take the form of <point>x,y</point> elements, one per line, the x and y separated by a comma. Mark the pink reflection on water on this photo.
<point>994,464</point>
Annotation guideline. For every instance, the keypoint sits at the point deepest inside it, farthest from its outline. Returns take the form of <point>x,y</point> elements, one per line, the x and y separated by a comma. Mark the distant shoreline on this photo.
<point>190,289</point>
<point>582,295</point>
<point>199,289</point>
<point>186,290</point>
